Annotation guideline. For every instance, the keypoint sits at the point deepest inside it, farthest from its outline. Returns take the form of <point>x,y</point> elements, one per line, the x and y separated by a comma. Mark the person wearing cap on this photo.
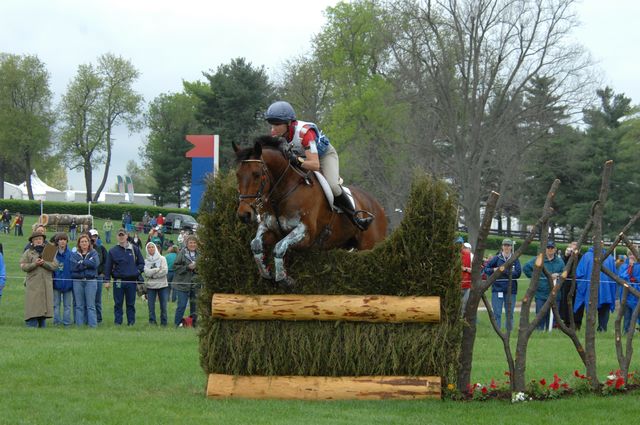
<point>102,255</point>
<point>311,150</point>
<point>124,265</point>
<point>606,294</point>
<point>501,293</point>
<point>62,281</point>
<point>555,266</point>
<point>38,299</point>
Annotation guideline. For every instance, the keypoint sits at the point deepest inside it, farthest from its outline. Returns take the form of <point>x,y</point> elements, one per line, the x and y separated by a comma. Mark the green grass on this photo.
<point>150,375</point>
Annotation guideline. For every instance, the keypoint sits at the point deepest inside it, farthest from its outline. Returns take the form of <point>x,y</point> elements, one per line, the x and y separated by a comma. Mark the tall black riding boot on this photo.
<point>344,203</point>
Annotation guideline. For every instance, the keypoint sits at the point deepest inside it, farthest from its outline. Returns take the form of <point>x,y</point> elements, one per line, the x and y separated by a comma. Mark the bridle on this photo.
<point>258,202</point>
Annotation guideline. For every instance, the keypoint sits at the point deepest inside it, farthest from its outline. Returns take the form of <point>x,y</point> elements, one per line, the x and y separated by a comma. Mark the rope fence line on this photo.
<point>21,278</point>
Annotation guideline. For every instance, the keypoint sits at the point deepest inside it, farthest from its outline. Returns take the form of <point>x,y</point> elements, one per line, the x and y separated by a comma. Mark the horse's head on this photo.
<point>253,173</point>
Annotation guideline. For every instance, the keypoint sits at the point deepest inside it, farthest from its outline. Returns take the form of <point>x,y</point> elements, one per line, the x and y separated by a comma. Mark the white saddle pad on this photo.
<point>327,190</point>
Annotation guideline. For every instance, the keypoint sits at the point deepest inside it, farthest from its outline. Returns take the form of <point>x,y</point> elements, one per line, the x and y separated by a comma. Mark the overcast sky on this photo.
<point>171,41</point>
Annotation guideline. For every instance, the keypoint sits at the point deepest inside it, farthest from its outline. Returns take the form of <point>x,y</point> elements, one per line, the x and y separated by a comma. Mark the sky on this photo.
<point>172,41</point>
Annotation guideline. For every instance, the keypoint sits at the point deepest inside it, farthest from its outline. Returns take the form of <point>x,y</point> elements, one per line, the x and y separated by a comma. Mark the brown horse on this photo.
<point>292,209</point>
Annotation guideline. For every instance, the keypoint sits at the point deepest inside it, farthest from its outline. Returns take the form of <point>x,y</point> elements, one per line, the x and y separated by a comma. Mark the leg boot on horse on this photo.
<point>343,202</point>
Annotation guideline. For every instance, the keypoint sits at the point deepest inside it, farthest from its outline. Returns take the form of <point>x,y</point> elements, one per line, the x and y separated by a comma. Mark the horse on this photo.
<point>292,210</point>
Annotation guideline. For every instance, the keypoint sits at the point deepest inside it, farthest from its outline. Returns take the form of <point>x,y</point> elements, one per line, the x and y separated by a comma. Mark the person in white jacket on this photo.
<point>155,271</point>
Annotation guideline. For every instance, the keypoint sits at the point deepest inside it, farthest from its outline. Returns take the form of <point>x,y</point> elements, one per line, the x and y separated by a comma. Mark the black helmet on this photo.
<point>280,112</point>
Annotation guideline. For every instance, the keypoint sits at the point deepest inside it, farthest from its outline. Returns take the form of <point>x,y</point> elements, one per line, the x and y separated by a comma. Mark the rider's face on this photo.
<point>278,130</point>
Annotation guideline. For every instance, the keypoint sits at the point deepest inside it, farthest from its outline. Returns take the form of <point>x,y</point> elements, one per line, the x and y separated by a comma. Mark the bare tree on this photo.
<point>479,57</point>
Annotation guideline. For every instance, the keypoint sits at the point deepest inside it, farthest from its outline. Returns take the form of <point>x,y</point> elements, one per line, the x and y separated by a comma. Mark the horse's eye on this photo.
<point>256,175</point>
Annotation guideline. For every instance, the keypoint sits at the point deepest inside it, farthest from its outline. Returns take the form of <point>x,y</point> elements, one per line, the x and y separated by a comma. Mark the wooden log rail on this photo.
<point>324,388</point>
<point>355,308</point>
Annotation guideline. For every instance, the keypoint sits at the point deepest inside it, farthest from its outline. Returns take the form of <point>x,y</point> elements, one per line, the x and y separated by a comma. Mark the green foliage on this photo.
<point>232,104</point>
<point>416,259</point>
<point>170,118</point>
<point>26,118</point>
<point>113,211</point>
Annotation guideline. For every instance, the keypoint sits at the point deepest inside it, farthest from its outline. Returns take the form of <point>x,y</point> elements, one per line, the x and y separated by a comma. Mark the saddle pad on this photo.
<point>327,190</point>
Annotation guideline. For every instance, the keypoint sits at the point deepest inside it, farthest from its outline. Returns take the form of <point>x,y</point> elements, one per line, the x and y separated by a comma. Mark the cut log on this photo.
<point>323,387</point>
<point>354,308</point>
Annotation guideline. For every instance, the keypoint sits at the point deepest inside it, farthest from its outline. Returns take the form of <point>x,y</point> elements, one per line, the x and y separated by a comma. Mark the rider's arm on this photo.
<point>311,159</point>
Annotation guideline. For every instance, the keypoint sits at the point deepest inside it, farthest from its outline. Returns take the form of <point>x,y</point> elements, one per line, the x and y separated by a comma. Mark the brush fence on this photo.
<point>369,308</point>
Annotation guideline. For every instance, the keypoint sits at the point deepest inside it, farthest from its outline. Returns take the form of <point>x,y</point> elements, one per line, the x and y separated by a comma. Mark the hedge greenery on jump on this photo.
<point>418,259</point>
<point>112,211</point>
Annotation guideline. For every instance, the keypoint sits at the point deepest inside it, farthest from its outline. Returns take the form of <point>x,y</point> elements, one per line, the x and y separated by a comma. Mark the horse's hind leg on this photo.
<point>257,248</point>
<point>295,236</point>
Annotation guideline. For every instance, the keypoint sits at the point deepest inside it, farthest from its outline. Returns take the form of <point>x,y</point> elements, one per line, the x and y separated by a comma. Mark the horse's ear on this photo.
<point>257,149</point>
<point>235,147</point>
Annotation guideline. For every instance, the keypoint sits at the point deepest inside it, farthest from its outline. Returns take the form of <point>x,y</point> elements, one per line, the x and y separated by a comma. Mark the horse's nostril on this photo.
<point>245,217</point>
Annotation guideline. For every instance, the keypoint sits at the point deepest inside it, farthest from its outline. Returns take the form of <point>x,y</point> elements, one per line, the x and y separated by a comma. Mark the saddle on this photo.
<point>329,195</point>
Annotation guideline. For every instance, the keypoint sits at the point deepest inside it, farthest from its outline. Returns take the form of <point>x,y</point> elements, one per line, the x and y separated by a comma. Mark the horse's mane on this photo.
<point>268,142</point>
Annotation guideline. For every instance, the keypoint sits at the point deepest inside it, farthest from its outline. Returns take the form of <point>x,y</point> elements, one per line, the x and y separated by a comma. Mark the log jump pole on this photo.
<point>360,308</point>
<point>352,308</point>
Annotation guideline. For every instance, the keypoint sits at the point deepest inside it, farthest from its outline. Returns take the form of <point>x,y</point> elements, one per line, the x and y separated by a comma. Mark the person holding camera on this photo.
<point>185,280</point>
<point>38,300</point>
<point>155,271</point>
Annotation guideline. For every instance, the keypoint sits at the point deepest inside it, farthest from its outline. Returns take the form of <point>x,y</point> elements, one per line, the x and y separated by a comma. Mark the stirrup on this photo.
<point>363,223</point>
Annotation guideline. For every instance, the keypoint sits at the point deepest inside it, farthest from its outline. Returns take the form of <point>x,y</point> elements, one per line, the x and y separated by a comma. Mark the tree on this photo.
<point>232,103</point>
<point>118,104</point>
<point>141,177</point>
<point>82,134</point>
<point>26,118</point>
<point>479,57</point>
<point>170,118</point>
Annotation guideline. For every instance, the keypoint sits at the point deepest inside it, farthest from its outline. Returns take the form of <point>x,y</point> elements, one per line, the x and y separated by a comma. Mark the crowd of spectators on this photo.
<point>65,283</point>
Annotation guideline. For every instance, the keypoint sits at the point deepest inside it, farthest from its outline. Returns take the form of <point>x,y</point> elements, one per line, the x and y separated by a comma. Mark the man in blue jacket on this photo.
<point>124,265</point>
<point>555,266</point>
<point>499,290</point>
<point>606,292</point>
<point>62,281</point>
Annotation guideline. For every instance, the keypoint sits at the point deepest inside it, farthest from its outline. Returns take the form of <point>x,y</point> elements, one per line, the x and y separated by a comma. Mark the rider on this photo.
<point>319,155</point>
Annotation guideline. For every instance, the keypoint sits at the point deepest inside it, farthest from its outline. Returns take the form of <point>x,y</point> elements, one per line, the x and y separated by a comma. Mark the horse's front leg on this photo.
<point>294,237</point>
<point>263,236</point>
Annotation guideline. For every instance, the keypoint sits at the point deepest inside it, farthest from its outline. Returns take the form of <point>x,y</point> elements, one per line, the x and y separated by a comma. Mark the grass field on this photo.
<point>151,375</point>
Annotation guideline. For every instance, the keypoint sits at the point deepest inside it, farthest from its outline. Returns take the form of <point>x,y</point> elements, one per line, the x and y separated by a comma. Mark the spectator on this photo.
<point>500,288</point>
<point>124,265</point>
<point>84,270</point>
<point>41,229</point>
<point>630,271</point>
<point>566,310</point>
<point>62,281</point>
<point>466,259</point>
<point>128,222</point>
<point>155,271</point>
<point>155,237</point>
<point>136,240</point>
<point>38,300</point>
<point>555,266</point>
<point>102,256</point>
<point>107,227</point>
<point>160,221</point>
<point>17,225</point>
<point>3,272</point>
<point>186,280</point>
<point>145,222</point>
<point>6,222</point>
<point>181,237</point>
<point>606,293</point>
<point>73,229</point>
<point>172,253</point>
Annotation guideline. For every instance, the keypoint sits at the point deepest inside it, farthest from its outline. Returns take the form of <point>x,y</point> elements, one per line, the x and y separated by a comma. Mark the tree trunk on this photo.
<point>499,220</point>
<point>107,164</point>
<point>508,223</point>
<point>88,177</point>
<point>27,164</point>
<point>2,174</point>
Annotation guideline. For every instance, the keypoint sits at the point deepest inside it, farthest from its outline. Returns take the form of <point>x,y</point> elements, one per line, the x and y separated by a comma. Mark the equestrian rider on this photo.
<point>319,155</point>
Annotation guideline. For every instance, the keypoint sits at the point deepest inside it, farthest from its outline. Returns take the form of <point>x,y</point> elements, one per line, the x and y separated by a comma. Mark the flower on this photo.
<point>543,382</point>
<point>517,397</point>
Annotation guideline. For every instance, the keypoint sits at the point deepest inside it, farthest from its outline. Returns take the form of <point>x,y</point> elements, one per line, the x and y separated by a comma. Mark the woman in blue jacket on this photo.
<point>555,266</point>
<point>606,292</point>
<point>630,271</point>
<point>500,288</point>
<point>84,270</point>
<point>62,281</point>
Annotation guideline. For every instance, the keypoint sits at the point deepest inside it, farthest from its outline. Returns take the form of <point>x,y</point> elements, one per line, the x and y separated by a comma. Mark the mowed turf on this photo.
<point>151,375</point>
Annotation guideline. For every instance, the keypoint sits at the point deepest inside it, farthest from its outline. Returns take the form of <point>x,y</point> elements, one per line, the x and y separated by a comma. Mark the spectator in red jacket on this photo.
<point>466,257</point>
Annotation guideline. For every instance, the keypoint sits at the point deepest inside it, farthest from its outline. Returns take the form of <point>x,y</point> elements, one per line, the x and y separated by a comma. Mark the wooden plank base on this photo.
<point>324,387</point>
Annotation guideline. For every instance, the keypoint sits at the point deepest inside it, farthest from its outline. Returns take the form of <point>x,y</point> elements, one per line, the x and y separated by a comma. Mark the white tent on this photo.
<point>39,187</point>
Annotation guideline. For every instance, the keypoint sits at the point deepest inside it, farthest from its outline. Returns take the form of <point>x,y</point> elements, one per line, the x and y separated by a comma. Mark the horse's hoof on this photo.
<point>287,282</point>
